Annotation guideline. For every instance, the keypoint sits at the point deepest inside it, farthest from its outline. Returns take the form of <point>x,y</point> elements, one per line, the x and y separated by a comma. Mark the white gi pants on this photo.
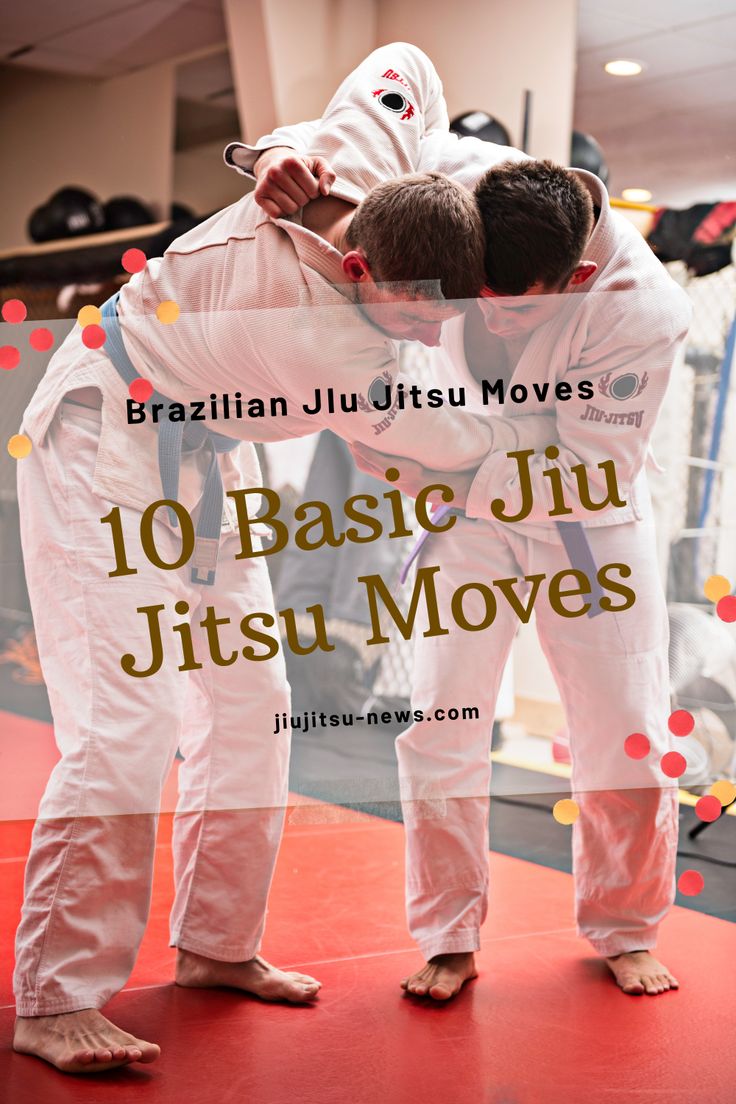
<point>612,674</point>
<point>88,877</point>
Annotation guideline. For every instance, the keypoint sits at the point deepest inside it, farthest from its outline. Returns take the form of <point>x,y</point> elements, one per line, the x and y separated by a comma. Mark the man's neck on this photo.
<point>329,218</point>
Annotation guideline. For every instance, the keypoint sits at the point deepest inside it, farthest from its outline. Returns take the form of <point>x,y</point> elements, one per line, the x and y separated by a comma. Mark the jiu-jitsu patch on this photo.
<point>395,101</point>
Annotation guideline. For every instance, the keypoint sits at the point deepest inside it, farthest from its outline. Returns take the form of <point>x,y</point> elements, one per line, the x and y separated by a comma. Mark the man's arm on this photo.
<point>616,425</point>
<point>629,365</point>
<point>464,159</point>
<point>373,126</point>
<point>361,372</point>
<point>297,137</point>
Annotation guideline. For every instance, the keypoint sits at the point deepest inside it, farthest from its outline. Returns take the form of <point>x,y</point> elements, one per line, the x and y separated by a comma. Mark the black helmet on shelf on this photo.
<point>122,212</point>
<point>479,124</point>
<point>70,212</point>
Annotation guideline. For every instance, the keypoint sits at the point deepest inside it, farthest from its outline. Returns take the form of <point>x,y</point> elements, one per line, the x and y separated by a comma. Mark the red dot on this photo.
<point>708,808</point>
<point>94,337</point>
<point>690,883</point>
<point>41,339</point>
<point>726,608</point>
<point>681,723</point>
<point>140,390</point>
<point>133,260</point>
<point>673,764</point>
<point>9,357</point>
<point>14,311</point>
<point>637,745</point>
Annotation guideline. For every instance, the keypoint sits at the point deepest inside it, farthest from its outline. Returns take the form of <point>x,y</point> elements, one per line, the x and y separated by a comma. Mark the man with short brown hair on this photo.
<point>580,320</point>
<point>539,217</point>
<point>390,226</point>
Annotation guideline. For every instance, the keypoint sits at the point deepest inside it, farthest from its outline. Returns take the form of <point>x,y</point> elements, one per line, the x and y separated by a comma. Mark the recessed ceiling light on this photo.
<point>623,67</point>
<point>636,195</point>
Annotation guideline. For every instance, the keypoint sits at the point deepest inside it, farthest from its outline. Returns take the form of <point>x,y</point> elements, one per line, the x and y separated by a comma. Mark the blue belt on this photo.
<point>173,438</point>
<point>573,538</point>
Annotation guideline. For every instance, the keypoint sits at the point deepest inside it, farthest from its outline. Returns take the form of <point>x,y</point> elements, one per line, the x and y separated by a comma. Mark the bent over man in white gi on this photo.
<point>607,329</point>
<point>274,307</point>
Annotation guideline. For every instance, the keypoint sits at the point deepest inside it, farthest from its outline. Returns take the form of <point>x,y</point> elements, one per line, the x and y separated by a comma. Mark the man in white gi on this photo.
<point>278,308</point>
<point>614,321</point>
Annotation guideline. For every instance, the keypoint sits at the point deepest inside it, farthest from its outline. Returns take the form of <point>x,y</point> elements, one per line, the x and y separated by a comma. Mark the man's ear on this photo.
<point>583,272</point>
<point>355,266</point>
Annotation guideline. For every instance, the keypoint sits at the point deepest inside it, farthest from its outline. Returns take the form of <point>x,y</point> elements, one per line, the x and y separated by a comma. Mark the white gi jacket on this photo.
<point>265,310</point>
<point>621,329</point>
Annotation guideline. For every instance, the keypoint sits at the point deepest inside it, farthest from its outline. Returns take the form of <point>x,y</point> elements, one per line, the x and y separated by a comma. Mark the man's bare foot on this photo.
<point>443,976</point>
<point>640,972</point>
<point>80,1042</point>
<point>255,976</point>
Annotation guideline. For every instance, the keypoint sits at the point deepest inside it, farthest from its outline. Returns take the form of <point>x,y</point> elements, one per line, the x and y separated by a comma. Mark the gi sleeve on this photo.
<point>297,136</point>
<point>464,159</point>
<point>358,365</point>
<point>373,126</point>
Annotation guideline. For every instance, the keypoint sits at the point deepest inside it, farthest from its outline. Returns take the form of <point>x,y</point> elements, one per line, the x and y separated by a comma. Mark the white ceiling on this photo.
<point>106,38</point>
<point>672,129</point>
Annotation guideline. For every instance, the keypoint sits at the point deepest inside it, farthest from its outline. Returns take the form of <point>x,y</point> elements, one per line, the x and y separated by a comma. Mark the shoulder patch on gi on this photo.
<point>626,386</point>
<point>394,101</point>
<point>378,390</point>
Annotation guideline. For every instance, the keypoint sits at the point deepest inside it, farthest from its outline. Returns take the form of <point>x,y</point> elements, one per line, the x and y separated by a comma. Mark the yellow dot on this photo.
<point>89,316</point>
<point>566,811</point>
<point>724,791</point>
<point>716,587</point>
<point>168,311</point>
<point>19,446</point>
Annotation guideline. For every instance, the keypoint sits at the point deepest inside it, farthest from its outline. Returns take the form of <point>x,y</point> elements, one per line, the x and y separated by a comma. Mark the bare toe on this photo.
<point>149,1052</point>
<point>441,992</point>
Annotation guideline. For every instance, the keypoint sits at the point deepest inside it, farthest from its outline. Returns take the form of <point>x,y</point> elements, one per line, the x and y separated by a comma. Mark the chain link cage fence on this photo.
<point>702,509</point>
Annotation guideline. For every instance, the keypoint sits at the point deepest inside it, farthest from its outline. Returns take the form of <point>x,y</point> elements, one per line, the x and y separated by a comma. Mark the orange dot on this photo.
<point>133,260</point>
<point>566,811</point>
<point>89,316</point>
<point>724,790</point>
<point>14,311</point>
<point>19,446</point>
<point>168,311</point>
<point>716,586</point>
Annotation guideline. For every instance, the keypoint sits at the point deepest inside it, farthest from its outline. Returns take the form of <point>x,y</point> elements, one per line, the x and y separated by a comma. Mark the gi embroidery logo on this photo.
<point>626,386</point>
<point>380,392</point>
<point>391,74</point>
<point>611,417</point>
<point>395,101</point>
